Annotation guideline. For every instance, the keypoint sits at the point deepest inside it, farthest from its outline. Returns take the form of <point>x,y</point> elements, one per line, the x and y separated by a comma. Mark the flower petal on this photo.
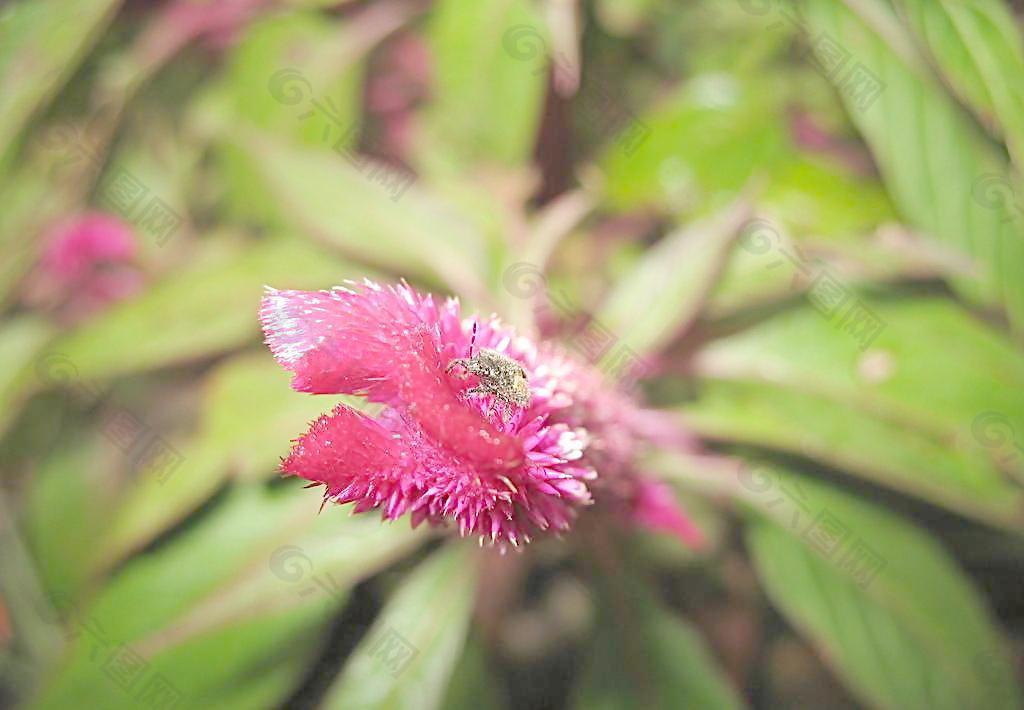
<point>429,398</point>
<point>343,447</point>
<point>375,342</point>
<point>337,341</point>
<point>655,507</point>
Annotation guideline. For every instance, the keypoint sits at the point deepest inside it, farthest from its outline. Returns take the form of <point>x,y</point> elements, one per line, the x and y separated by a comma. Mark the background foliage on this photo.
<point>807,218</point>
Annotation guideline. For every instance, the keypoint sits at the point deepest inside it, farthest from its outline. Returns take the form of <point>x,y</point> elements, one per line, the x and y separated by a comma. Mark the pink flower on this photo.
<point>215,22</point>
<point>449,446</point>
<point>75,247</point>
<point>85,266</point>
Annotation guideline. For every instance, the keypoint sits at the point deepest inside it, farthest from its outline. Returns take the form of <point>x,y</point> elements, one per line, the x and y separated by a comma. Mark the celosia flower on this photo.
<point>445,447</point>
<point>85,266</point>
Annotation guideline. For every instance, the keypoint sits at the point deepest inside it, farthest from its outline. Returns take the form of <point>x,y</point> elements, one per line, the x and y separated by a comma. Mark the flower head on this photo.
<point>85,266</point>
<point>75,247</point>
<point>451,443</point>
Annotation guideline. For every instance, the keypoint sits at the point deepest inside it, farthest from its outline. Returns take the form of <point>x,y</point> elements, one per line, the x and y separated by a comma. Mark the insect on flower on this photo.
<point>440,451</point>
<point>500,375</point>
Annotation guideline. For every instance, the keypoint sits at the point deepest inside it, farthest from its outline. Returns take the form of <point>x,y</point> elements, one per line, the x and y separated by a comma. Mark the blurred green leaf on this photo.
<point>207,309</point>
<point>154,502</point>
<point>25,607</point>
<point>408,655</point>
<point>285,76</point>
<point>932,368</point>
<point>247,589</point>
<point>250,403</point>
<point>250,414</point>
<point>624,17</point>
<point>698,148</point>
<point>854,438</point>
<point>472,686</point>
<point>325,196</point>
<point>663,294</point>
<point>41,44</point>
<point>890,610</point>
<point>276,679</point>
<point>940,168</point>
<point>164,163</point>
<point>651,660</point>
<point>770,265</point>
<point>296,75</point>
<point>816,199</point>
<point>33,201</point>
<point>977,47</point>
<point>21,340</point>
<point>752,277</point>
<point>490,72</point>
<point>69,491</point>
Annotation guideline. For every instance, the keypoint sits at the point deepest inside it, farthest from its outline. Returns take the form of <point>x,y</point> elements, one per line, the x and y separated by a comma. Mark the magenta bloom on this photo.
<point>75,247</point>
<point>85,266</point>
<point>439,451</point>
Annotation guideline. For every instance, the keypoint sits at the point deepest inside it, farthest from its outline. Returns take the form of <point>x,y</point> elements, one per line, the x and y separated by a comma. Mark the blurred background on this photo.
<point>796,228</point>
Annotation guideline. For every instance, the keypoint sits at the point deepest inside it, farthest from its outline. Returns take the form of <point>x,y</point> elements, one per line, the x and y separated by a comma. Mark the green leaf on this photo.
<point>248,588</point>
<point>29,202</point>
<point>409,653</point>
<point>259,387</point>
<point>250,414</point>
<point>937,163</point>
<point>624,17</point>
<point>752,278</point>
<point>854,438</point>
<point>150,151</point>
<point>904,375</point>
<point>817,199</point>
<point>21,340</point>
<point>326,196</point>
<point>293,74</point>
<point>671,666</point>
<point>288,64</point>
<point>977,47</point>
<point>68,492</point>
<point>203,311</point>
<point>25,607</point>
<point>473,686</point>
<point>663,294</point>
<point>772,265</point>
<point>277,680</point>
<point>490,72</point>
<point>41,44</point>
<point>891,612</point>
<point>699,147</point>
<point>154,501</point>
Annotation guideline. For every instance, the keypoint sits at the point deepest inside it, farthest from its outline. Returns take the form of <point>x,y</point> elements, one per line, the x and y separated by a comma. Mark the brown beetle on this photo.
<point>499,375</point>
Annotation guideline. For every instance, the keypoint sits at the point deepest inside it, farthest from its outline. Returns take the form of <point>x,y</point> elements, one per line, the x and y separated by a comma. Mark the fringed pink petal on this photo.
<point>344,450</point>
<point>377,342</point>
<point>339,341</point>
<point>428,396</point>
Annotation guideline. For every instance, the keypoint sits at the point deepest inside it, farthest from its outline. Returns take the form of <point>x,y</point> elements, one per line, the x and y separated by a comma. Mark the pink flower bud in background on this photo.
<point>86,265</point>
